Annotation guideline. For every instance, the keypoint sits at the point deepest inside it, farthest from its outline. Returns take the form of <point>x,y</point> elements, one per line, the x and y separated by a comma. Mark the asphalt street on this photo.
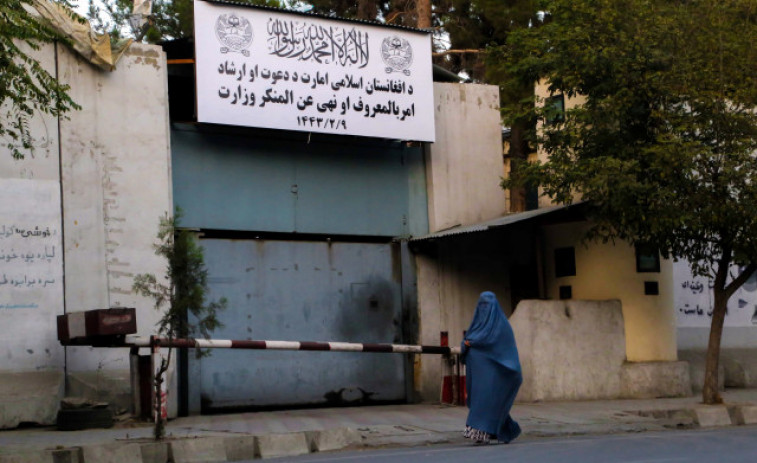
<point>730,445</point>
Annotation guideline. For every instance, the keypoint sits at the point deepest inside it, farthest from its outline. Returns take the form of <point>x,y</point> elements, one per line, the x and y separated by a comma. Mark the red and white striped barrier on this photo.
<point>153,341</point>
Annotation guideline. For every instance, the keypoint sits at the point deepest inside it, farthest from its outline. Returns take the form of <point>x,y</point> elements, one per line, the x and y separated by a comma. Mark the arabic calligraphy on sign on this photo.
<point>305,41</point>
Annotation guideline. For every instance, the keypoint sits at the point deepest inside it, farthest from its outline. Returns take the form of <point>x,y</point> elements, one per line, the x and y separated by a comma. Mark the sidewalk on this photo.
<point>221,438</point>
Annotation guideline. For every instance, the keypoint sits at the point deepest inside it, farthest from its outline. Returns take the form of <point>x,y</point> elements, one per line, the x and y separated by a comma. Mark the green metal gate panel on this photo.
<point>227,181</point>
<point>304,291</point>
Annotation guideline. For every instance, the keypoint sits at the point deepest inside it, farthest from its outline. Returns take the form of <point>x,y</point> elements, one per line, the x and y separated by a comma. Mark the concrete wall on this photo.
<point>31,198</point>
<point>463,170</point>
<point>576,350</point>
<point>449,286</point>
<point>116,185</point>
<point>605,271</point>
<point>464,165</point>
<point>98,181</point>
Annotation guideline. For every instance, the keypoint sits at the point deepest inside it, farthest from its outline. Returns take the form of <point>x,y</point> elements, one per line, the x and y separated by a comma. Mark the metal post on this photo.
<point>136,406</point>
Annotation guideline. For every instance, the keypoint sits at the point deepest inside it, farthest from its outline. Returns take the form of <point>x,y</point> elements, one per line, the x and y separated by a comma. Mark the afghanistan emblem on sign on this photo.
<point>234,33</point>
<point>397,54</point>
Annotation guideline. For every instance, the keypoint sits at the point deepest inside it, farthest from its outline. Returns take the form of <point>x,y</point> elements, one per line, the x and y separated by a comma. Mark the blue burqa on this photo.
<point>493,374</point>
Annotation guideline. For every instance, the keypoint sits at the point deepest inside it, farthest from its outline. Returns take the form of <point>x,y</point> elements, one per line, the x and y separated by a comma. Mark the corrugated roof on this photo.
<point>317,15</point>
<point>499,222</point>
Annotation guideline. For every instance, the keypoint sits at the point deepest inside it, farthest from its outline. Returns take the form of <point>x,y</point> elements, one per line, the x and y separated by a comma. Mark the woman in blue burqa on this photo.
<point>493,374</point>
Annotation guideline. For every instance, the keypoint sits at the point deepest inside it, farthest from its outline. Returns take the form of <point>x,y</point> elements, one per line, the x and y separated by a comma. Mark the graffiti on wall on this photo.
<point>694,299</point>
<point>31,265</point>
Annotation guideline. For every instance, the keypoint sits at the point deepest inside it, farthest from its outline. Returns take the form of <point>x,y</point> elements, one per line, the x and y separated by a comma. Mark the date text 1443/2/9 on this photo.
<point>321,122</point>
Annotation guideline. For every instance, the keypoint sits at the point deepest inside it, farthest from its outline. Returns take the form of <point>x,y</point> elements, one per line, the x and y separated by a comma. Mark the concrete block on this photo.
<point>696,360</point>
<point>241,448</point>
<point>712,416</point>
<point>743,414</point>
<point>69,455</point>
<point>155,452</point>
<point>112,453</point>
<point>570,350</point>
<point>740,366</point>
<point>30,397</point>
<point>36,456</point>
<point>111,386</point>
<point>649,380</point>
<point>199,450</point>
<point>283,445</point>
<point>332,439</point>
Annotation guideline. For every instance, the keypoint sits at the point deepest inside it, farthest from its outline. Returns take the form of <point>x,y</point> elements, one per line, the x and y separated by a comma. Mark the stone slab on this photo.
<point>199,450</point>
<point>740,367</point>
<point>333,439</point>
<point>37,456</point>
<point>650,380</point>
<point>112,453</point>
<point>157,452</point>
<point>744,414</point>
<point>111,386</point>
<point>68,455</point>
<point>30,397</point>
<point>283,445</point>
<point>241,448</point>
<point>696,360</point>
<point>712,416</point>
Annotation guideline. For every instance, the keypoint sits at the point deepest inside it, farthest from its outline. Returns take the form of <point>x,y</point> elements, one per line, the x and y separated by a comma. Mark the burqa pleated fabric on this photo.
<point>493,374</point>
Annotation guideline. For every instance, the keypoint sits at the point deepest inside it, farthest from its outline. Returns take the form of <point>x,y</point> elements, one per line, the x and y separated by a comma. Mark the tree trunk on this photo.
<point>517,153</point>
<point>367,10</point>
<point>423,9</point>
<point>710,393</point>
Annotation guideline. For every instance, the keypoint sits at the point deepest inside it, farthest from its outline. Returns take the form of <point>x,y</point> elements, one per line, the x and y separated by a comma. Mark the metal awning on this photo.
<point>552,214</point>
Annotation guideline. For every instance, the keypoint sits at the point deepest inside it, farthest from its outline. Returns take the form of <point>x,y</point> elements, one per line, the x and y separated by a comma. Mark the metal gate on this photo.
<point>303,291</point>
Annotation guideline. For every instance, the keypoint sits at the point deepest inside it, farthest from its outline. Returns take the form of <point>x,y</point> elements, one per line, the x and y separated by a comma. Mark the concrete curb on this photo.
<point>230,448</point>
<point>710,416</point>
<point>196,449</point>
<point>706,416</point>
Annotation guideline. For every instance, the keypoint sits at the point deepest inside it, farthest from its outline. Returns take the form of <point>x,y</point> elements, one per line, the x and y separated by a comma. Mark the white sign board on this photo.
<point>273,69</point>
<point>694,299</point>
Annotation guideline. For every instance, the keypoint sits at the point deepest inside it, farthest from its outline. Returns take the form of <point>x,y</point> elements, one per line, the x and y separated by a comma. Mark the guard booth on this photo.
<point>302,200</point>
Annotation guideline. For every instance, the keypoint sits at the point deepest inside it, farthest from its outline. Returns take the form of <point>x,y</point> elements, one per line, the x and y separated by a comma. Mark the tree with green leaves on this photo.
<point>182,298</point>
<point>477,30</point>
<point>663,145</point>
<point>26,87</point>
<point>167,20</point>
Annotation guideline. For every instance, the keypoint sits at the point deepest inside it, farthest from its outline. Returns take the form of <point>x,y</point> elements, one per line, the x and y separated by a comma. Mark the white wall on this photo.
<point>464,166</point>
<point>30,192</point>
<point>98,181</point>
<point>693,308</point>
<point>116,185</point>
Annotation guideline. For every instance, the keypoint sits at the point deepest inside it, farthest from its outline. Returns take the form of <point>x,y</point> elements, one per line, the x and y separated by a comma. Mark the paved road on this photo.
<point>730,445</point>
